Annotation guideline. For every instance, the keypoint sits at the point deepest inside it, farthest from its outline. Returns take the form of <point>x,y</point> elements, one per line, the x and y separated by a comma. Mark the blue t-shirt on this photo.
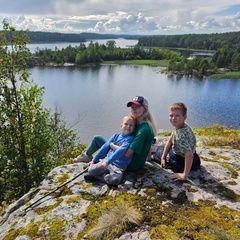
<point>116,157</point>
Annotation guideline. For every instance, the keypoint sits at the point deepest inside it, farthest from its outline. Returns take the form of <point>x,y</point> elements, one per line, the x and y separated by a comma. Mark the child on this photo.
<point>110,169</point>
<point>181,145</point>
<point>139,148</point>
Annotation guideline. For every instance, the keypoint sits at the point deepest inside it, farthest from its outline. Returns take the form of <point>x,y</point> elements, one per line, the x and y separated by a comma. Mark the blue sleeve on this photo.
<point>121,150</point>
<point>104,149</point>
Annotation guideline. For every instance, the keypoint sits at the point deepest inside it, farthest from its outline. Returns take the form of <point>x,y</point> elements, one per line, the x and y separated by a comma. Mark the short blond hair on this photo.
<point>130,118</point>
<point>179,105</point>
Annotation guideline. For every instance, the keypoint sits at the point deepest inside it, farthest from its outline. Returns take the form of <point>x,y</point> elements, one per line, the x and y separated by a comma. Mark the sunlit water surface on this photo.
<point>94,99</point>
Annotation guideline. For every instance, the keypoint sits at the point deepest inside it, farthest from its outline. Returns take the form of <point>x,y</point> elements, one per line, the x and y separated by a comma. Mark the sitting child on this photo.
<point>112,162</point>
<point>181,145</point>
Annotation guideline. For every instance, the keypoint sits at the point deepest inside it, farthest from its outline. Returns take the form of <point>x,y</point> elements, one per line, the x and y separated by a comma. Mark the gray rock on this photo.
<point>201,185</point>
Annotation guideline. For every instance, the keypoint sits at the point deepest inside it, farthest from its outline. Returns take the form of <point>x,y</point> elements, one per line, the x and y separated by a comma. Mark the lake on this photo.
<point>120,42</point>
<point>93,99</point>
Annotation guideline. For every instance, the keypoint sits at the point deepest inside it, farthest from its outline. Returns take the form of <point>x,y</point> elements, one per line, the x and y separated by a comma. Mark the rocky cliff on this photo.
<point>147,205</point>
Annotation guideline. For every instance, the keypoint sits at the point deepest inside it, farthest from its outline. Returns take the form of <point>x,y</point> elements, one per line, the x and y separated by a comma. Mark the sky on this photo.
<point>150,17</point>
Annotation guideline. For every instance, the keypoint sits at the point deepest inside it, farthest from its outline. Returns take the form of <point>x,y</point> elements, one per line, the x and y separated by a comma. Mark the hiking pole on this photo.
<point>30,206</point>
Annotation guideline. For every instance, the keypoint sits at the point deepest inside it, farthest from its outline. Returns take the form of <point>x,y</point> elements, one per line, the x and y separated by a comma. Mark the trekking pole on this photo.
<point>30,206</point>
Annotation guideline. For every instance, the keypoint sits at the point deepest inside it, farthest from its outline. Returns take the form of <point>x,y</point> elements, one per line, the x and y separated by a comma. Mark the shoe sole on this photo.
<point>81,161</point>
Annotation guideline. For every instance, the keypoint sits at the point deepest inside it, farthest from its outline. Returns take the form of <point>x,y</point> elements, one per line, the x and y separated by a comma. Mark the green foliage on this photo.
<point>95,53</point>
<point>42,210</point>
<point>220,136</point>
<point>160,63</point>
<point>55,37</point>
<point>192,41</point>
<point>227,75</point>
<point>226,55</point>
<point>226,45</point>
<point>166,217</point>
<point>32,141</point>
<point>12,234</point>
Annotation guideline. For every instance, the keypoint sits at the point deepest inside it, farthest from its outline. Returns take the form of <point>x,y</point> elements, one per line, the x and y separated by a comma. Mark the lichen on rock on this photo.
<point>204,206</point>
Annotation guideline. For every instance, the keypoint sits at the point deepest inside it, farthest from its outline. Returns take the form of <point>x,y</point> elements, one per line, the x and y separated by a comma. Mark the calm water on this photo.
<point>96,97</point>
<point>122,43</point>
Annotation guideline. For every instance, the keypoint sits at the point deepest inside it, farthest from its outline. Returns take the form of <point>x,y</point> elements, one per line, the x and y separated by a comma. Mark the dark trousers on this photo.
<point>177,162</point>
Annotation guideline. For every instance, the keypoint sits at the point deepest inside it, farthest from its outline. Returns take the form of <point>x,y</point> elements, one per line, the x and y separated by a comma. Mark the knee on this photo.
<point>90,171</point>
<point>96,137</point>
<point>112,179</point>
<point>93,169</point>
<point>99,140</point>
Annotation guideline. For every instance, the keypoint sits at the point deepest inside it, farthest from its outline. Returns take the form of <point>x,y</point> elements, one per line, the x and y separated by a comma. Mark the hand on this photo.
<point>90,163</point>
<point>178,176</point>
<point>113,146</point>
<point>103,165</point>
<point>163,162</point>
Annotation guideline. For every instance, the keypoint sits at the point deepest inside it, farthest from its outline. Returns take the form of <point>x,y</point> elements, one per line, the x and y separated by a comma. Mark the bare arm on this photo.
<point>129,152</point>
<point>149,155</point>
<point>165,151</point>
<point>188,163</point>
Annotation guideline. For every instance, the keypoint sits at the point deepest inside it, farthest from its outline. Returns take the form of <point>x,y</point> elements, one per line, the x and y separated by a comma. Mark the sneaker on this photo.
<point>89,178</point>
<point>82,158</point>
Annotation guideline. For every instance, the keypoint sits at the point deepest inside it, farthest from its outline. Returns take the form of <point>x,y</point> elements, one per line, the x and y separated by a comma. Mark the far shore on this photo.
<point>223,74</point>
<point>164,63</point>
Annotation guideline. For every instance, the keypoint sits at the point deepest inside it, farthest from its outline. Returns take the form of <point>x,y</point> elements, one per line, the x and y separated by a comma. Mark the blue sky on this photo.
<point>123,16</point>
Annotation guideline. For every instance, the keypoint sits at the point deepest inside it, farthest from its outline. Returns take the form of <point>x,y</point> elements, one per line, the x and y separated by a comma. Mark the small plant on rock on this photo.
<point>115,221</point>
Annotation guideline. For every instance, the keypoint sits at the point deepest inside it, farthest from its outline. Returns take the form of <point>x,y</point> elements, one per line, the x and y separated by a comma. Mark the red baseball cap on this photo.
<point>139,101</point>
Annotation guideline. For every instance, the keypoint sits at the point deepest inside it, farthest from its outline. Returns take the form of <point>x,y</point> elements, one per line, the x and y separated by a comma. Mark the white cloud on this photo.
<point>104,16</point>
<point>100,27</point>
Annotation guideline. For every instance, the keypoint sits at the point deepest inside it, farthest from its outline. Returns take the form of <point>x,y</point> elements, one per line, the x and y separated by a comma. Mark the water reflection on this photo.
<point>99,96</point>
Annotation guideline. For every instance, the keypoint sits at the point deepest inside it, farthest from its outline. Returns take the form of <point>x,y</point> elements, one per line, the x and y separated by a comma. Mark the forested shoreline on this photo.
<point>212,41</point>
<point>226,48</point>
<point>225,59</point>
<point>48,37</point>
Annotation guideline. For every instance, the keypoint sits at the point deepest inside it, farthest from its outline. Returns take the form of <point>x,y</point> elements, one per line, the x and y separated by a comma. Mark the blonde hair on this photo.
<point>130,118</point>
<point>147,117</point>
<point>180,106</point>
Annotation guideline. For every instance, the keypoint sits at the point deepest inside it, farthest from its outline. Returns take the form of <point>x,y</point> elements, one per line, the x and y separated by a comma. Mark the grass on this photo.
<point>113,221</point>
<point>176,219</point>
<point>193,50</point>
<point>215,136</point>
<point>164,63</point>
<point>231,75</point>
<point>158,63</point>
<point>219,136</point>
